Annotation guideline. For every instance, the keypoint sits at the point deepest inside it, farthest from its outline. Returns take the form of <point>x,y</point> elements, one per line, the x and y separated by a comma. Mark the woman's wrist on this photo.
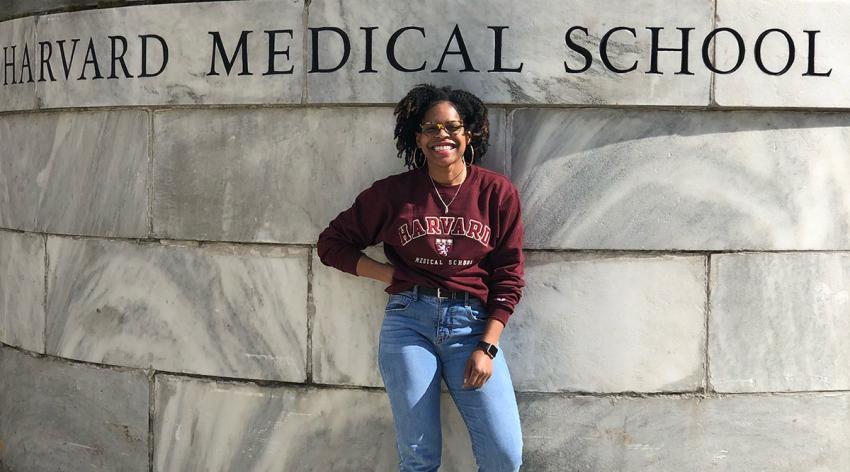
<point>492,332</point>
<point>368,267</point>
<point>390,274</point>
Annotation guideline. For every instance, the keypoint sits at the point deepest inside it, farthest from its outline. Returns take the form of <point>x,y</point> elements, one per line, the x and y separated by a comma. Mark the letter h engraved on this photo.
<point>655,49</point>
<point>7,64</point>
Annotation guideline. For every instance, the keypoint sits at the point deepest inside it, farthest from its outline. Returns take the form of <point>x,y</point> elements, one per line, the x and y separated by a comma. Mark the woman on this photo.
<point>452,232</point>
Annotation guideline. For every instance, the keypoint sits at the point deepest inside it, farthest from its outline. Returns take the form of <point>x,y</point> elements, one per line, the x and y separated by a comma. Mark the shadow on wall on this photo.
<point>585,129</point>
<point>615,179</point>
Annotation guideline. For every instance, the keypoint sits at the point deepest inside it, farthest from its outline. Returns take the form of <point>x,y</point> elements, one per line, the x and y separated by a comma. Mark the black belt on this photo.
<point>442,293</point>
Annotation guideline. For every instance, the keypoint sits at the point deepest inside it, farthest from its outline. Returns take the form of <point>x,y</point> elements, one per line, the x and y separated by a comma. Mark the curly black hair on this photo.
<point>410,110</point>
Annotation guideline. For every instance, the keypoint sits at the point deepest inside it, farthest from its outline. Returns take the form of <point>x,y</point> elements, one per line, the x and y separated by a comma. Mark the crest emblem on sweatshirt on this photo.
<point>443,245</point>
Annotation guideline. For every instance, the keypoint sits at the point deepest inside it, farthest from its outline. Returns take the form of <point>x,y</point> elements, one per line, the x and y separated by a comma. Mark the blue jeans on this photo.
<point>424,339</point>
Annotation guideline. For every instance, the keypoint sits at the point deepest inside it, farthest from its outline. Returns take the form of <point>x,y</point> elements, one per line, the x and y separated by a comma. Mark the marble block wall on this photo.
<point>166,168</point>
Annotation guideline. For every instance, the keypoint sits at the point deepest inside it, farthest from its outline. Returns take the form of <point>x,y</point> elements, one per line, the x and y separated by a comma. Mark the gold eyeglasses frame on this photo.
<point>432,129</point>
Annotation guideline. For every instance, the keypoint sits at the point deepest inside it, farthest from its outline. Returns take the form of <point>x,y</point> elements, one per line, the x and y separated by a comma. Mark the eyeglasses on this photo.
<point>433,129</point>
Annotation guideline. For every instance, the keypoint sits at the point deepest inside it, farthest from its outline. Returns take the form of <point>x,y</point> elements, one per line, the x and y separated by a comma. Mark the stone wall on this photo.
<point>163,308</point>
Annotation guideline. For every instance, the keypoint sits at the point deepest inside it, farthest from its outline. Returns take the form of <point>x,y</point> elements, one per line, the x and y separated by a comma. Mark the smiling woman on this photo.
<point>452,232</point>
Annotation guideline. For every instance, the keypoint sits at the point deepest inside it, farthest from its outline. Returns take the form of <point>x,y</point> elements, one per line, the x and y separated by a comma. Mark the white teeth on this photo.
<point>445,147</point>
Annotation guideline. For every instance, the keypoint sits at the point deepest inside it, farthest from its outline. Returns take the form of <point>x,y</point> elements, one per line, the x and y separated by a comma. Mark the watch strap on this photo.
<point>490,349</point>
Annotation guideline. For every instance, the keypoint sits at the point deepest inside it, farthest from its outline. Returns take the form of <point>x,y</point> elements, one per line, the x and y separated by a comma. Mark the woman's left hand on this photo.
<point>479,368</point>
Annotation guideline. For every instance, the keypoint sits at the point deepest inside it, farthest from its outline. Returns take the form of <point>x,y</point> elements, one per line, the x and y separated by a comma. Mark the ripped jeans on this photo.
<point>425,339</point>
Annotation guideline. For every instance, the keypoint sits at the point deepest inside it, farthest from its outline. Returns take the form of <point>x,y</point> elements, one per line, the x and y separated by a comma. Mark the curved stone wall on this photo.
<point>162,305</point>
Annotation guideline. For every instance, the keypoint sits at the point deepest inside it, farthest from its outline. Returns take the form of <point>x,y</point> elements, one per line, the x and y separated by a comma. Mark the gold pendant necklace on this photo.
<point>446,205</point>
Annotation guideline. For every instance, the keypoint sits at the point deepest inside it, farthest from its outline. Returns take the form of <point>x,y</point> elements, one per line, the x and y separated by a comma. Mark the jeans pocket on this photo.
<point>398,302</point>
<point>477,313</point>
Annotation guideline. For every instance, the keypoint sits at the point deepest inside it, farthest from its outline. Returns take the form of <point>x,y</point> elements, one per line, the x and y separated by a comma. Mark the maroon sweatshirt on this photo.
<point>476,247</point>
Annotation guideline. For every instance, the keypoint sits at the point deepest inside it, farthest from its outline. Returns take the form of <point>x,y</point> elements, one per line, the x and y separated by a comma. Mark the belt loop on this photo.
<point>416,292</point>
<point>466,299</point>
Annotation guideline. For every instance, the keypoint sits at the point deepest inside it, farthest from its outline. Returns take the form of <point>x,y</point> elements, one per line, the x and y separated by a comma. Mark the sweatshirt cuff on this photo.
<point>501,314</point>
<point>349,261</point>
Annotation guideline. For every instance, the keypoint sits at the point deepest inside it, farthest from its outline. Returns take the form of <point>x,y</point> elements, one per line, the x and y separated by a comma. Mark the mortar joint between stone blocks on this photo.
<point>311,246</point>
<point>707,360</point>
<point>151,374</point>
<point>712,80</point>
<point>150,184</point>
<point>304,103</point>
<point>508,134</point>
<point>39,103</point>
<point>311,316</point>
<point>305,17</point>
<point>44,300</point>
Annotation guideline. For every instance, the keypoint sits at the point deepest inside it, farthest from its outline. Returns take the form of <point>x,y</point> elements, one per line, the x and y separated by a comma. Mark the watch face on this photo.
<point>490,349</point>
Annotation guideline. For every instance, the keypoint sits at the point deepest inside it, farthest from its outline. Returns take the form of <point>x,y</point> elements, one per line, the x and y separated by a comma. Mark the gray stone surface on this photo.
<point>749,86</point>
<point>22,290</point>
<point>615,179</point>
<point>14,94</point>
<point>186,78</point>
<point>604,323</point>
<point>235,311</point>
<point>779,322</point>
<point>781,433</point>
<point>535,38</point>
<point>62,416</point>
<point>75,173</point>
<point>284,428</point>
<point>349,313</point>
<point>271,175</point>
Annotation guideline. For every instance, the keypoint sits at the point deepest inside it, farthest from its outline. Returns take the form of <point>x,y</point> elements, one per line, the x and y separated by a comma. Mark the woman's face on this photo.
<point>442,149</point>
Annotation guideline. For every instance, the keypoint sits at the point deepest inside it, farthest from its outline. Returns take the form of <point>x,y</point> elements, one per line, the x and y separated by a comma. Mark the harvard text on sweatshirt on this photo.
<point>475,247</point>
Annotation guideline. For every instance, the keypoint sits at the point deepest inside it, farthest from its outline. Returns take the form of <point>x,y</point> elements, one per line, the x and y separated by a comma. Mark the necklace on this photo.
<point>446,205</point>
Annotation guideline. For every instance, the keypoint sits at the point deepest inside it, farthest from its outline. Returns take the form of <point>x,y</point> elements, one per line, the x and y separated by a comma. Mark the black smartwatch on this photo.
<point>489,349</point>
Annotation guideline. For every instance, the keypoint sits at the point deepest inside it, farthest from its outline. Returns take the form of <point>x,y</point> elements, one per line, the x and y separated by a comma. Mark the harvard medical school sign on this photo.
<point>263,52</point>
<point>85,63</point>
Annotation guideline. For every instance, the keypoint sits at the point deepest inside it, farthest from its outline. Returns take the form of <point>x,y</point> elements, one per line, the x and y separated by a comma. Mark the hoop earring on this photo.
<point>472,158</point>
<point>418,152</point>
